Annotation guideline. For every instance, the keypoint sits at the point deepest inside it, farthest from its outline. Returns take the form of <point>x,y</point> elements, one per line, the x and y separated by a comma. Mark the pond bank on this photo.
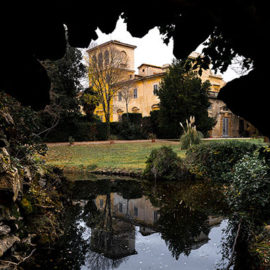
<point>32,202</point>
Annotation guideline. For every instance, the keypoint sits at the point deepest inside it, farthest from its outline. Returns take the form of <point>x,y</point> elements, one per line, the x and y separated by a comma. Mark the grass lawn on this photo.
<point>127,156</point>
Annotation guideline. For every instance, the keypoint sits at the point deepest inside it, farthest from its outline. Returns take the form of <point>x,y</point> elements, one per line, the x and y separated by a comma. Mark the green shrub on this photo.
<point>190,136</point>
<point>215,160</point>
<point>249,192</point>
<point>127,131</point>
<point>135,118</point>
<point>163,163</point>
<point>71,140</point>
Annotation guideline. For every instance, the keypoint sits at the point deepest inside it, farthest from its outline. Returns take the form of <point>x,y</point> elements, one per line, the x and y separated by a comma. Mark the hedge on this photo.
<point>215,160</point>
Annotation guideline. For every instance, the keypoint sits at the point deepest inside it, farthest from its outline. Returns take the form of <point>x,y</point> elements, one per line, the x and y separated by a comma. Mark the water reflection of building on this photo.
<point>114,237</point>
<point>119,240</point>
<point>140,210</point>
<point>115,242</point>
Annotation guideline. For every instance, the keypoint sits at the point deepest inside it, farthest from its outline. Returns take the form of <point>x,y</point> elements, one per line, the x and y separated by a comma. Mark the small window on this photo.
<point>101,203</point>
<point>155,88</point>
<point>136,211</point>
<point>216,88</point>
<point>135,109</point>
<point>119,96</point>
<point>135,93</point>
<point>94,58</point>
<point>106,56</point>
<point>130,76</point>
<point>120,207</point>
<point>143,70</point>
<point>100,60</point>
<point>155,216</point>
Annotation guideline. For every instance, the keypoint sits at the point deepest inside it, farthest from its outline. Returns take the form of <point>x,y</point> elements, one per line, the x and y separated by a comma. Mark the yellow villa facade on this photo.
<point>142,85</point>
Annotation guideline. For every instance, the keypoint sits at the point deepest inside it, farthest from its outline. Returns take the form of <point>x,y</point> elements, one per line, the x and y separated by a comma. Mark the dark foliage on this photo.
<point>182,94</point>
<point>215,160</point>
<point>20,127</point>
<point>135,118</point>
<point>164,164</point>
<point>89,101</point>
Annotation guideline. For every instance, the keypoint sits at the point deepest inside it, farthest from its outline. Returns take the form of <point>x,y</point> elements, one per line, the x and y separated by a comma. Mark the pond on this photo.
<point>126,224</point>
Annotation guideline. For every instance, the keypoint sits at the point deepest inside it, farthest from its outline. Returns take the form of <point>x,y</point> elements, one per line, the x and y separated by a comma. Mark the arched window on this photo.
<point>123,55</point>
<point>135,109</point>
<point>155,107</point>
<point>123,59</point>
<point>100,60</point>
<point>106,57</point>
<point>94,58</point>
<point>120,113</point>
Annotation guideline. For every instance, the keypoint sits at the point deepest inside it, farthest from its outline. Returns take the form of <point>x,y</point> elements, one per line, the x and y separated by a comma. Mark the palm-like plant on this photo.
<point>191,135</point>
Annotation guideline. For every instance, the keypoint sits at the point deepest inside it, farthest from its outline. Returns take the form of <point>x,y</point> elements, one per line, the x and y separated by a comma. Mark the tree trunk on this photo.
<point>108,126</point>
<point>127,111</point>
<point>108,129</point>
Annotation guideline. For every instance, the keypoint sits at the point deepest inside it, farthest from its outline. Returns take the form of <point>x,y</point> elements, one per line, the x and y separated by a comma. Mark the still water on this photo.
<point>129,225</point>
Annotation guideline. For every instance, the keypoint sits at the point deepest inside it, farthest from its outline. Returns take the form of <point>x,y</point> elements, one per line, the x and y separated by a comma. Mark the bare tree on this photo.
<point>106,70</point>
<point>126,93</point>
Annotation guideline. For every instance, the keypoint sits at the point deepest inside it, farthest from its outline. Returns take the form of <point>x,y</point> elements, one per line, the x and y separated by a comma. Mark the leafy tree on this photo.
<point>20,127</point>
<point>65,75</point>
<point>181,95</point>
<point>89,101</point>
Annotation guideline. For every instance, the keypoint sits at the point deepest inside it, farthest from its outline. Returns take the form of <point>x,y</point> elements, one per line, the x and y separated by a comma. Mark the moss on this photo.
<point>26,206</point>
<point>261,250</point>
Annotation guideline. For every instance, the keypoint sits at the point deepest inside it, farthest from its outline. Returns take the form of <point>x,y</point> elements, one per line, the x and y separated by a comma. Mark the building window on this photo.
<point>100,60</point>
<point>120,207</point>
<point>101,203</point>
<point>119,96</point>
<point>225,127</point>
<point>135,93</point>
<point>155,107</point>
<point>94,58</point>
<point>123,59</point>
<point>155,88</point>
<point>135,110</point>
<point>216,88</point>
<point>155,216</point>
<point>106,57</point>
<point>136,211</point>
<point>119,113</point>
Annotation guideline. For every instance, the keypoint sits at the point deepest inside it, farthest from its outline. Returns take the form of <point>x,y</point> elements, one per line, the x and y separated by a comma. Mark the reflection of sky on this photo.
<point>154,254</point>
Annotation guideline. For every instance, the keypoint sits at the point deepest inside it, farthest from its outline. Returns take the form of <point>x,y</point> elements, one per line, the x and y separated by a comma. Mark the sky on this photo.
<point>150,48</point>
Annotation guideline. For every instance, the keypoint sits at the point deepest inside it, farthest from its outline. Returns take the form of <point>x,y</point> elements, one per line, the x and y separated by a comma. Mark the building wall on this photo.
<point>146,101</point>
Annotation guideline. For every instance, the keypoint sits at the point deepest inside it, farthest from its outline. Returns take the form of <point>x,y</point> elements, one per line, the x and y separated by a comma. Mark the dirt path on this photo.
<point>109,142</point>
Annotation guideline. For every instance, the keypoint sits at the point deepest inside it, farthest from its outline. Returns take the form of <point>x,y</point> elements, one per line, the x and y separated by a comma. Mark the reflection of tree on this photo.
<point>96,261</point>
<point>69,252</point>
<point>182,228</point>
<point>241,259</point>
<point>129,189</point>
<point>184,210</point>
<point>111,238</point>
